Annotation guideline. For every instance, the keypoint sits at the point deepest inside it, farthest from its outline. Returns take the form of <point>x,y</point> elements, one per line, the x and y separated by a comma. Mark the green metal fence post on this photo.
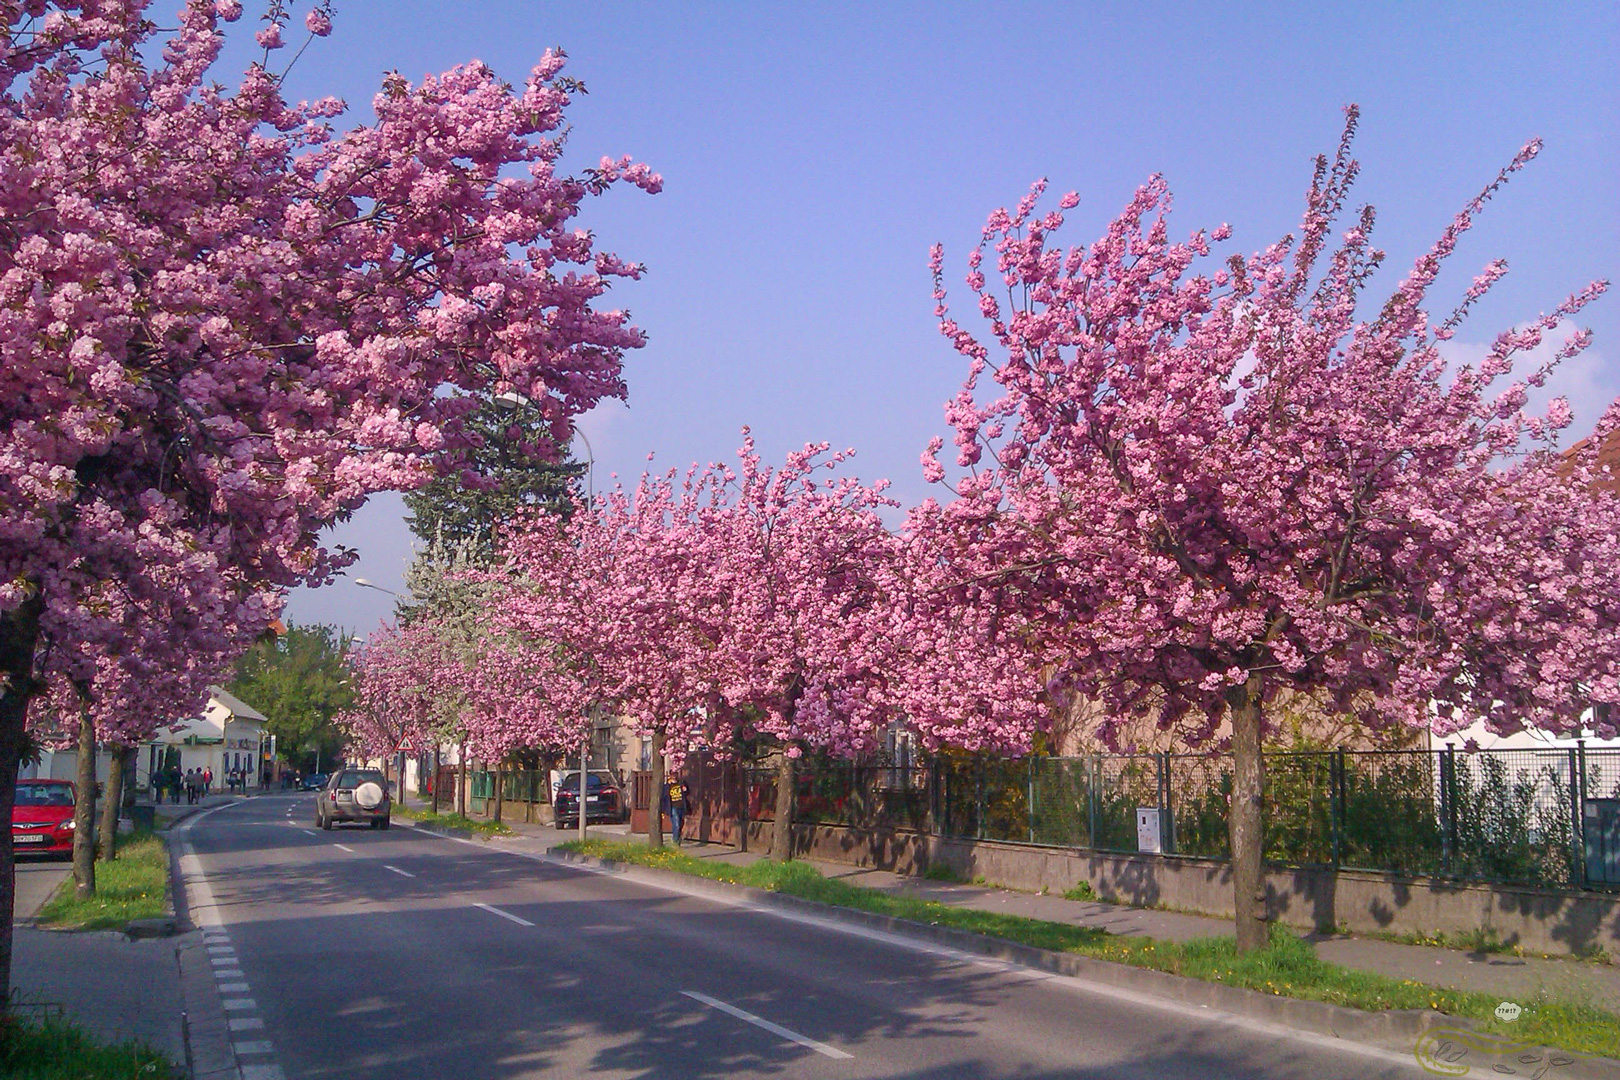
<point>1167,827</point>
<point>1029,798</point>
<point>1336,810</point>
<point>1091,800</point>
<point>978,795</point>
<point>1577,799</point>
<point>1448,810</point>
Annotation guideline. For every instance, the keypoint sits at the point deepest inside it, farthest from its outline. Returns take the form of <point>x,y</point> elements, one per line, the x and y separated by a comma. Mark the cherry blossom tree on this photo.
<point>223,326</point>
<point>809,587</point>
<point>1193,489</point>
<point>616,599</point>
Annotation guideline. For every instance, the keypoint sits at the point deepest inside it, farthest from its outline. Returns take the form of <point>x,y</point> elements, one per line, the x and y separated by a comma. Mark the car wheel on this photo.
<point>326,823</point>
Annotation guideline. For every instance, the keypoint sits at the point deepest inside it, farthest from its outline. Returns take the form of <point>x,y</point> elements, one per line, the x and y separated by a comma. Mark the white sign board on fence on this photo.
<point>1148,836</point>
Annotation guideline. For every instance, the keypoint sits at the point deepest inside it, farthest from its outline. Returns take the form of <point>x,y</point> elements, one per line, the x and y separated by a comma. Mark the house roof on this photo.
<point>238,708</point>
<point>1608,455</point>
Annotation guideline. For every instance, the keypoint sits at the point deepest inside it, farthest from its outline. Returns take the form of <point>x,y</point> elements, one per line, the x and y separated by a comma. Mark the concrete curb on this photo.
<point>209,1053</point>
<point>445,830</point>
<point>1389,1030</point>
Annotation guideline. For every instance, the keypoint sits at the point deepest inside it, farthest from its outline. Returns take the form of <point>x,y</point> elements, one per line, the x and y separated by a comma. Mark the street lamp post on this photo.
<point>514,400</point>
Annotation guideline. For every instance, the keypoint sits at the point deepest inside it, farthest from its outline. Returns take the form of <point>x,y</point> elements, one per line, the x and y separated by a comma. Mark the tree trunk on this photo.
<point>1247,823</point>
<point>84,812</point>
<point>655,798</point>
<point>112,804</point>
<point>19,636</point>
<point>461,778</point>
<point>782,827</point>
<point>434,783</point>
<point>500,794</point>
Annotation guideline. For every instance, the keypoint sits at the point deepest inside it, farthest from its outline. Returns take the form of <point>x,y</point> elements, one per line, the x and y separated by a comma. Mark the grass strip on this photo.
<point>54,1049</point>
<point>1288,968</point>
<point>133,886</point>
<point>481,826</point>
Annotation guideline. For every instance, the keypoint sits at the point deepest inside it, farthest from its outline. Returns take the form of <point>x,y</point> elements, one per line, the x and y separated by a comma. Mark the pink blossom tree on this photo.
<point>1194,489</point>
<point>616,601</point>
<point>809,591</point>
<point>224,326</point>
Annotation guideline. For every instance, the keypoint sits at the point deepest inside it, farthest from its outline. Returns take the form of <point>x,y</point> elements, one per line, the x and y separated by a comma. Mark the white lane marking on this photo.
<point>233,988</point>
<point>775,1029</point>
<point>253,1046</point>
<point>246,1023</point>
<point>344,847</point>
<point>1074,984</point>
<point>310,832</point>
<point>239,1004</point>
<point>223,961</point>
<point>504,914</point>
<point>221,950</point>
<point>397,870</point>
<point>263,1072</point>
<point>221,974</point>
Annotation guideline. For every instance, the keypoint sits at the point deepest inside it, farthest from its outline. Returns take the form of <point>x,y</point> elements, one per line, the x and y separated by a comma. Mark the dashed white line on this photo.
<point>775,1029</point>
<point>308,832</point>
<point>223,961</point>
<point>253,1046</point>
<point>228,973</point>
<point>397,870</point>
<point>493,910</point>
<point>344,847</point>
<point>246,1023</point>
<point>239,1004</point>
<point>233,988</point>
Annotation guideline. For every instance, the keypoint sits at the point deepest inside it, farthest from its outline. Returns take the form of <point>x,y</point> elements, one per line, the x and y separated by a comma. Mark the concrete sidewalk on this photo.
<point>115,988</point>
<point>1511,977</point>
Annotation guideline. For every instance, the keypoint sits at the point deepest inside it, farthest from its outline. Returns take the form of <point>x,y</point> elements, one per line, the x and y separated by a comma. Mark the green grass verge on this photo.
<point>53,1049</point>
<point>133,886</point>
<point>454,821</point>
<point>1289,968</point>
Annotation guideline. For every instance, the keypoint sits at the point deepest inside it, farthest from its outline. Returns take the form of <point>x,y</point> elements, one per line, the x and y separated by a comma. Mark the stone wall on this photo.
<point>1552,921</point>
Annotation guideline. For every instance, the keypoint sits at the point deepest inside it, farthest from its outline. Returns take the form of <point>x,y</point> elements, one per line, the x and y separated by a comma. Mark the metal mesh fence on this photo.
<point>1511,816</point>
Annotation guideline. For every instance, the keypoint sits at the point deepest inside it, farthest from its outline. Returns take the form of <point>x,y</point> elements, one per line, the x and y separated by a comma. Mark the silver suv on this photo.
<point>354,795</point>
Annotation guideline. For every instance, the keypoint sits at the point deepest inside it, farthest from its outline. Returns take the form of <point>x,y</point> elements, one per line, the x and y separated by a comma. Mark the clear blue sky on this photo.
<point>812,152</point>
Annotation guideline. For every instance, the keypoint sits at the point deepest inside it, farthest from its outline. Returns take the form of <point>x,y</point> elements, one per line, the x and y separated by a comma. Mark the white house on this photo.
<point>230,734</point>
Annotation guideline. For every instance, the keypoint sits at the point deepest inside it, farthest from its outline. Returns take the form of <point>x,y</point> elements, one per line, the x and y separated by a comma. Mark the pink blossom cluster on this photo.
<point>223,325</point>
<point>1193,486</point>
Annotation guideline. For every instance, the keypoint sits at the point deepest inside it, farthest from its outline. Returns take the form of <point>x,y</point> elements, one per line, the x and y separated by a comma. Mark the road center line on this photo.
<point>497,911</point>
<point>344,847</point>
<point>307,832</point>
<point>775,1029</point>
<point>404,873</point>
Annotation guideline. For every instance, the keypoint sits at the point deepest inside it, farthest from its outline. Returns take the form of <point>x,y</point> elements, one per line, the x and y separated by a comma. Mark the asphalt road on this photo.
<point>359,954</point>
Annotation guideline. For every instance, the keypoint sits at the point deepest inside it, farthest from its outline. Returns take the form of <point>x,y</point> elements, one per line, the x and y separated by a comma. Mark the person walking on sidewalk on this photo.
<point>675,807</point>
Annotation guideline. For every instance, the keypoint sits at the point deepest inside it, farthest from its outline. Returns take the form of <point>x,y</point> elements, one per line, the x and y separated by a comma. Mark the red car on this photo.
<point>42,817</point>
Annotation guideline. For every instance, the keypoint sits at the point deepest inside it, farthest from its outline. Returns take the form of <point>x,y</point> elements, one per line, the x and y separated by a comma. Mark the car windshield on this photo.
<point>571,783</point>
<point>44,795</point>
<point>351,780</point>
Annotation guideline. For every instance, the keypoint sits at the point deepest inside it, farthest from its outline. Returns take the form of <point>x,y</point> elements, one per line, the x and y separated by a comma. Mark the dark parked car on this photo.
<point>604,800</point>
<point>42,817</point>
<point>354,795</point>
<point>313,782</point>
